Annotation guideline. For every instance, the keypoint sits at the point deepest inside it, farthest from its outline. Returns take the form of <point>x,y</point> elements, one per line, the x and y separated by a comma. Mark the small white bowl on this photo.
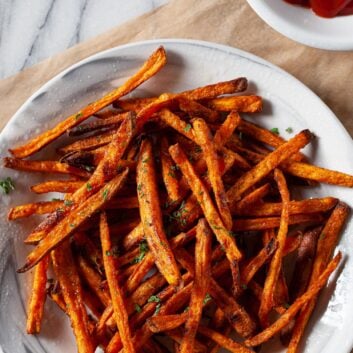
<point>302,25</point>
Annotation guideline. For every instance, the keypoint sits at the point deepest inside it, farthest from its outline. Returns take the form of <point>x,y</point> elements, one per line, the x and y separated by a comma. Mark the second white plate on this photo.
<point>303,26</point>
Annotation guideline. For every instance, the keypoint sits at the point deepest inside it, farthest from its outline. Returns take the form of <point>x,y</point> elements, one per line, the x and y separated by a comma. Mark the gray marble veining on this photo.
<point>32,30</point>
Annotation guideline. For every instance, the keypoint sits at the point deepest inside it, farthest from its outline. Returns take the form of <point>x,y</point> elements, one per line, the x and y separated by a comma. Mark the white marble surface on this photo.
<point>32,30</point>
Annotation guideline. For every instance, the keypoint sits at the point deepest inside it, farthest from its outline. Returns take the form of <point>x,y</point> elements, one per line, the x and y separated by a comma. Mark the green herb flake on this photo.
<point>289,130</point>
<point>55,199</point>
<point>89,168</point>
<point>89,187</point>
<point>145,160</point>
<point>138,308</point>
<point>186,309</point>
<point>78,116</point>
<point>105,194</point>
<point>7,185</point>
<point>68,203</point>
<point>153,299</point>
<point>322,236</point>
<point>172,174</point>
<point>207,299</point>
<point>108,253</point>
<point>286,305</point>
<point>139,187</point>
<point>158,308</point>
<point>187,127</point>
<point>72,225</point>
<point>198,149</point>
<point>244,286</point>
<point>143,249</point>
<point>275,130</point>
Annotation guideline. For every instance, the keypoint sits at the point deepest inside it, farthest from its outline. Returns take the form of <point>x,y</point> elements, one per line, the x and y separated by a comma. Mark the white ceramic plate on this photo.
<point>302,25</point>
<point>288,103</point>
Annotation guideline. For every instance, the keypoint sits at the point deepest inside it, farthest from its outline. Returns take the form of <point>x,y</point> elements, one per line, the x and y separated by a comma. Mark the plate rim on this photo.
<point>281,26</point>
<point>208,45</point>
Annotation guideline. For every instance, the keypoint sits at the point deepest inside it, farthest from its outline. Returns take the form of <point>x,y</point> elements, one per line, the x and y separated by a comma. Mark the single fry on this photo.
<point>155,62</point>
<point>254,197</point>
<point>225,131</point>
<point>242,104</point>
<point>312,172</point>
<point>44,167</point>
<point>169,172</point>
<point>121,316</point>
<point>68,225</point>
<point>269,163</point>
<point>295,207</point>
<point>283,320</point>
<point>111,122</point>
<point>64,186</point>
<point>204,139</point>
<point>38,296</point>
<point>267,300</point>
<point>201,283</point>
<point>30,209</point>
<point>151,215</point>
<point>89,143</point>
<point>65,270</point>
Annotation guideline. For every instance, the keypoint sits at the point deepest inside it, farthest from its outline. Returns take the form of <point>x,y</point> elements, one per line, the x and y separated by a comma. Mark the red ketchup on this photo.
<point>327,8</point>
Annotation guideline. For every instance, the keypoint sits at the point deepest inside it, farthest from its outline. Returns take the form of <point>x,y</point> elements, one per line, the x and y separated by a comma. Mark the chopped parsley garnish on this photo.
<point>89,168</point>
<point>138,308</point>
<point>289,130</point>
<point>172,174</point>
<point>244,286</point>
<point>145,160</point>
<point>55,199</point>
<point>68,203</point>
<point>153,299</point>
<point>88,186</point>
<point>7,185</point>
<point>207,299</point>
<point>72,225</point>
<point>275,130</point>
<point>105,194</point>
<point>78,115</point>
<point>158,308</point>
<point>187,127</point>
<point>143,248</point>
<point>198,149</point>
<point>108,253</point>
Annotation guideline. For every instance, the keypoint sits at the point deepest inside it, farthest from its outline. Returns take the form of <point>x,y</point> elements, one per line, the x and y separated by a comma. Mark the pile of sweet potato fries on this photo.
<point>177,225</point>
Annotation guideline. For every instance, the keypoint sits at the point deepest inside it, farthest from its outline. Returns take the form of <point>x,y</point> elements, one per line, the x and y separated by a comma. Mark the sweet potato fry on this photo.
<point>243,104</point>
<point>111,270</point>
<point>94,280</point>
<point>264,167</point>
<point>211,91</point>
<point>38,296</point>
<point>111,122</point>
<point>30,209</point>
<point>226,130</point>
<point>44,167</point>
<point>155,62</point>
<point>204,139</point>
<point>151,216</point>
<point>283,320</point>
<point>78,216</point>
<point>295,207</point>
<point>89,143</point>
<point>274,222</point>
<point>211,214</point>
<point>267,300</point>
<point>201,283</point>
<point>325,246</point>
<point>64,186</point>
<point>254,197</point>
<point>312,172</point>
<point>133,104</point>
<point>169,172</point>
<point>65,270</point>
<point>304,262</point>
